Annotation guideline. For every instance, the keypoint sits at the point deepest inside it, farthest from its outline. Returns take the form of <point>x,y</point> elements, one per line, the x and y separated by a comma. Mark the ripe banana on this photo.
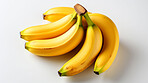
<point>57,13</point>
<point>110,44</point>
<point>50,30</point>
<point>59,45</point>
<point>87,54</point>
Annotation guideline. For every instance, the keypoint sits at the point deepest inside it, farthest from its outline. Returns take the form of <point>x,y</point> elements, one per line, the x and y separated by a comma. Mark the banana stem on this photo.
<point>74,15</point>
<point>82,11</point>
<point>89,21</point>
<point>79,20</point>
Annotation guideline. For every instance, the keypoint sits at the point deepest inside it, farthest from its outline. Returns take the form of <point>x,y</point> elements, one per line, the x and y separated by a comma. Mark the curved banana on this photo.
<point>59,45</point>
<point>110,44</point>
<point>49,30</point>
<point>87,54</point>
<point>57,13</point>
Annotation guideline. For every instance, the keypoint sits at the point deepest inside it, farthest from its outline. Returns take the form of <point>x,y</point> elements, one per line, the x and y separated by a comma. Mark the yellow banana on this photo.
<point>59,45</point>
<point>57,13</point>
<point>87,54</point>
<point>50,30</point>
<point>110,44</point>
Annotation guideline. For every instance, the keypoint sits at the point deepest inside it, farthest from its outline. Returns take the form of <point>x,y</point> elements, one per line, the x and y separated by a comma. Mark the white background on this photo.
<point>17,65</point>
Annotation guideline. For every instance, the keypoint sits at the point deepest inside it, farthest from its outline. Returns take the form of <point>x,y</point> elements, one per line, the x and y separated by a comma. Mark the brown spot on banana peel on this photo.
<point>82,63</point>
<point>39,48</point>
<point>43,48</point>
<point>69,67</point>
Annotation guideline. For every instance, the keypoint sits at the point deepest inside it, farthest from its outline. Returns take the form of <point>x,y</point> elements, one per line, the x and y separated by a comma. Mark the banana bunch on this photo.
<point>69,29</point>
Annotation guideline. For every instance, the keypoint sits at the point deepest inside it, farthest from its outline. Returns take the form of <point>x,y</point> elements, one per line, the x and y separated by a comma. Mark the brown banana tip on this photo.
<point>96,72</point>
<point>26,47</point>
<point>44,17</point>
<point>59,73</point>
<point>80,9</point>
<point>20,35</point>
